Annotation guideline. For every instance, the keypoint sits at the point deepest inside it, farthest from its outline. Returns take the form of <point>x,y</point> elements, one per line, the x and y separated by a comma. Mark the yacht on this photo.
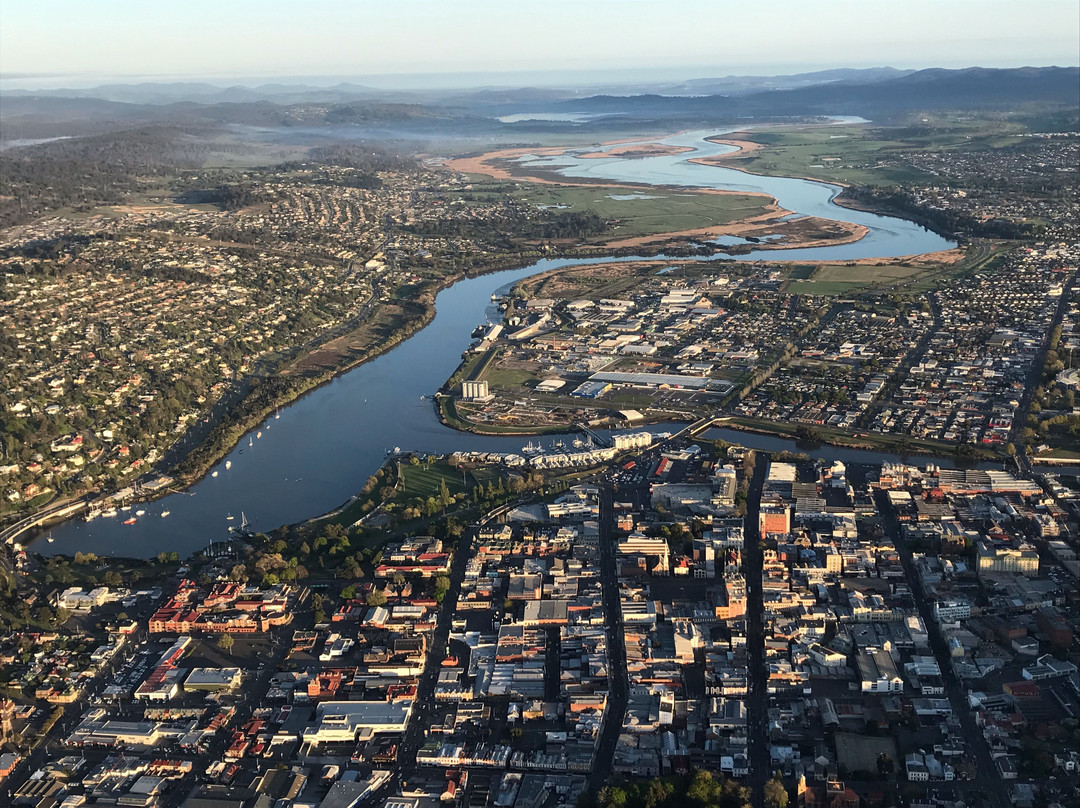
<point>228,464</point>
<point>140,512</point>
<point>165,513</point>
<point>213,474</point>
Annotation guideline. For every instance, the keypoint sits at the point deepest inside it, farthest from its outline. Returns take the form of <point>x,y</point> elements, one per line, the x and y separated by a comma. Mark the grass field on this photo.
<point>506,377</point>
<point>648,213</point>
<point>837,279</point>
<point>850,154</point>
<point>423,480</point>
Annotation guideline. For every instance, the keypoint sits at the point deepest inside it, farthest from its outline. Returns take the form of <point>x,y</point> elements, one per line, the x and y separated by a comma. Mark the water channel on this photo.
<point>319,451</point>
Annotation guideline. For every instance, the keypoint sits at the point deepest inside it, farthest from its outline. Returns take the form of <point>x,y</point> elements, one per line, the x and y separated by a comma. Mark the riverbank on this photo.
<point>889,444</point>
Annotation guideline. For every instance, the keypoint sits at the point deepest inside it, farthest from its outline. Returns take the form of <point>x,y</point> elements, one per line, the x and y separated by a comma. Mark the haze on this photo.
<point>67,42</point>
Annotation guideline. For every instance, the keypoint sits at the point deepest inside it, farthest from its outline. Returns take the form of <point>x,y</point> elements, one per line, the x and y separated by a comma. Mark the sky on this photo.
<point>75,42</point>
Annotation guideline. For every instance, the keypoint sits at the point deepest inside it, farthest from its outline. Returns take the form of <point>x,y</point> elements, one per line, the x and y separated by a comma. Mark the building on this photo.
<point>475,391</point>
<point>774,518</point>
<point>343,721</point>
<point>1023,559</point>
<point>213,679</point>
<point>950,611</point>
<point>878,672</point>
<point>1054,625</point>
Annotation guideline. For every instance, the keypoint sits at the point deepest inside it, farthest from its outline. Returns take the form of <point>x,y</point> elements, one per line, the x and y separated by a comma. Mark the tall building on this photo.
<point>475,391</point>
<point>1023,559</point>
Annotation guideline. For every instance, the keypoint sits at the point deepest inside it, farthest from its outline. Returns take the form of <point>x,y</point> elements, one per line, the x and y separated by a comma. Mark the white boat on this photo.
<point>140,512</point>
<point>250,441</point>
<point>125,507</point>
<point>230,517</point>
<point>258,434</point>
<point>213,474</point>
<point>165,513</point>
<point>277,415</point>
<point>109,512</point>
<point>228,464</point>
<point>50,540</point>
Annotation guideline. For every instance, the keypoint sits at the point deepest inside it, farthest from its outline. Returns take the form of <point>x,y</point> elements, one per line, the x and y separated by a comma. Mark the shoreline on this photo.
<point>184,480</point>
<point>217,449</point>
<point>863,447</point>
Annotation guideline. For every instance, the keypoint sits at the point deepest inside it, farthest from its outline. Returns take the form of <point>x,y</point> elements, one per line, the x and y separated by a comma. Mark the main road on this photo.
<point>616,647</point>
<point>757,708</point>
<point>987,777</point>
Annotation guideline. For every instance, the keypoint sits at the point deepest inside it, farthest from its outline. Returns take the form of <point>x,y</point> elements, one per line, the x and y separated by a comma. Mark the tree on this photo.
<point>703,790</point>
<point>612,797</point>
<point>658,793</point>
<point>442,584</point>
<point>376,598</point>
<point>349,592</point>
<point>225,642</point>
<point>350,568</point>
<point>885,764</point>
<point>113,578</point>
<point>776,795</point>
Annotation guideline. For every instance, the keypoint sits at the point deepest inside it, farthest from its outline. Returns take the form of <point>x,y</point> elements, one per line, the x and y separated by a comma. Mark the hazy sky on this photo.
<point>82,39</point>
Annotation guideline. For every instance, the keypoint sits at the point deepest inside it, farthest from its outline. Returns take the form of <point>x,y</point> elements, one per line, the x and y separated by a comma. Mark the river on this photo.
<point>322,448</point>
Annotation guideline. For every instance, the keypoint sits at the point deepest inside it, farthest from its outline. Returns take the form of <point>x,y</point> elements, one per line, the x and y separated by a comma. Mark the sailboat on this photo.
<point>228,464</point>
<point>250,441</point>
<point>245,526</point>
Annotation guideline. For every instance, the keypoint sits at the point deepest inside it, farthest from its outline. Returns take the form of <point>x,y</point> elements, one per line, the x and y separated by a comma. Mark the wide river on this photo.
<point>323,447</point>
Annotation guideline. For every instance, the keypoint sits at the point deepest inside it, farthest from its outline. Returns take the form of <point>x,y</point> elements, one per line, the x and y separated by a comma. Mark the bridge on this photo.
<point>599,440</point>
<point>59,511</point>
<point>699,426</point>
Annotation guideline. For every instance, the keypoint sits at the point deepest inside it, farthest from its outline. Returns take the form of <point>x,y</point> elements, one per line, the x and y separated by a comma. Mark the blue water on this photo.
<point>324,446</point>
<point>888,237</point>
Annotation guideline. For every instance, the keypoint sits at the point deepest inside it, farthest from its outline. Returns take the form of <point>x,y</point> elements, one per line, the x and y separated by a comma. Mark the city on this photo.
<point>438,406</point>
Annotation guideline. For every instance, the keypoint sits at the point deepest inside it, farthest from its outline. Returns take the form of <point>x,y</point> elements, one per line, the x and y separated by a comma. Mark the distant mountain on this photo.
<point>878,94</point>
<point>971,88</point>
<point>745,85</point>
<point>162,93</point>
<point>33,117</point>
